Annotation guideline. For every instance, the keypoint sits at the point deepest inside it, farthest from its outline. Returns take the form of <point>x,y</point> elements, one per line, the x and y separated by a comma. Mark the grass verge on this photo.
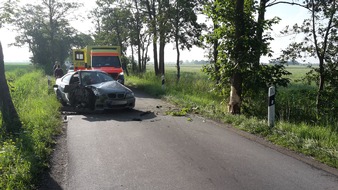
<point>23,157</point>
<point>193,94</point>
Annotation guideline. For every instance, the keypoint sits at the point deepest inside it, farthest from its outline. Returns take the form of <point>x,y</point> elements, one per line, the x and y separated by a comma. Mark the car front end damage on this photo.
<point>115,101</point>
<point>119,98</point>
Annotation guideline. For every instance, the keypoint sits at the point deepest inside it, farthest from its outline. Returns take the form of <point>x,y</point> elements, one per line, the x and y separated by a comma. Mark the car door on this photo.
<point>71,85</point>
<point>62,85</point>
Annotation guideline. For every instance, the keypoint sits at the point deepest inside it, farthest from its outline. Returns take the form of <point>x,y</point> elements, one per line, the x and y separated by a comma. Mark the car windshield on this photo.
<point>106,61</point>
<point>89,78</point>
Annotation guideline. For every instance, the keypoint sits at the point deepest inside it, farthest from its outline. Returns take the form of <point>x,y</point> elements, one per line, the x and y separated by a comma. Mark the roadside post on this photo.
<point>48,81</point>
<point>271,108</point>
<point>163,81</point>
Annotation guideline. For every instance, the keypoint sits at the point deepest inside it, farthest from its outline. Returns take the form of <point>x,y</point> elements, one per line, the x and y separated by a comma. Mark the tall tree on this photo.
<point>46,30</point>
<point>122,23</point>
<point>163,19</point>
<point>152,11</point>
<point>138,28</point>
<point>10,118</point>
<point>237,78</point>
<point>114,23</point>
<point>186,30</point>
<point>212,38</point>
<point>320,41</point>
<point>236,35</point>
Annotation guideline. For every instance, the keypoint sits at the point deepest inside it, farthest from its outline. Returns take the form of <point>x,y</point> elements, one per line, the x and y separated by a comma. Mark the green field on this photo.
<point>297,72</point>
<point>11,66</point>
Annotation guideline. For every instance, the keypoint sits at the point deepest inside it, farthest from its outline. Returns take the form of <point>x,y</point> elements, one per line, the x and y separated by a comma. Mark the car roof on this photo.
<point>73,72</point>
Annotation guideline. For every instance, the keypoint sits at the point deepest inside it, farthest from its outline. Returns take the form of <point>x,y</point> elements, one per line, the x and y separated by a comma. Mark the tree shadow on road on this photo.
<point>121,115</point>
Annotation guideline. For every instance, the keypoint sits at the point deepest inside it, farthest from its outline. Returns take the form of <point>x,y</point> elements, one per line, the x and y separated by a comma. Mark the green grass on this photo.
<point>23,157</point>
<point>297,127</point>
<point>297,72</point>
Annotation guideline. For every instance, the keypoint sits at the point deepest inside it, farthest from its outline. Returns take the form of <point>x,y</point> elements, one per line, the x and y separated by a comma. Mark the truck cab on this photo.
<point>103,58</point>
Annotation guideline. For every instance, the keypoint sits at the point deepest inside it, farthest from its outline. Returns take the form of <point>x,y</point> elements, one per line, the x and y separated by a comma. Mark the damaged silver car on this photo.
<point>95,90</point>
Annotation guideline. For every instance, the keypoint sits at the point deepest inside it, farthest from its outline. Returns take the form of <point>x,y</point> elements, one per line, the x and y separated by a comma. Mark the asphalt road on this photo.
<point>145,149</point>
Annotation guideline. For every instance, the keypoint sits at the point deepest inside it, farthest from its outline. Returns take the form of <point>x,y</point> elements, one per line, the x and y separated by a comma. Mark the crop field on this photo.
<point>298,71</point>
<point>11,66</point>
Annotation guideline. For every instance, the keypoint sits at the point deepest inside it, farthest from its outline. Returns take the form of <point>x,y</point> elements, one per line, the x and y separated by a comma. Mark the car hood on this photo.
<point>111,87</point>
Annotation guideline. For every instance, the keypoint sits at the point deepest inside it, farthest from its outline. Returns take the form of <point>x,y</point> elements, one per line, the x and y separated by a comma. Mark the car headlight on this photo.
<point>130,95</point>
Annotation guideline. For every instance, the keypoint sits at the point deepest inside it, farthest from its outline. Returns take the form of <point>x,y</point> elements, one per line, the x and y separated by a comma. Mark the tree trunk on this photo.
<point>146,58</point>
<point>319,101</point>
<point>215,54</point>
<point>138,36</point>
<point>10,118</point>
<point>155,38</point>
<point>139,56</point>
<point>52,39</point>
<point>151,9</point>
<point>132,59</point>
<point>155,56</point>
<point>162,46</point>
<point>236,79</point>
<point>235,94</point>
<point>259,35</point>
<point>178,60</point>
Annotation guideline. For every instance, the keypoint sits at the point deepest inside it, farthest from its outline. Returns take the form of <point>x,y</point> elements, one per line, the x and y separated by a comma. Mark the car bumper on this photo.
<point>105,104</point>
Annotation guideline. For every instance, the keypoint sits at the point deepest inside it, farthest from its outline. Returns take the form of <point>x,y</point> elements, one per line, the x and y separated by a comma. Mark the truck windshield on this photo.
<point>106,61</point>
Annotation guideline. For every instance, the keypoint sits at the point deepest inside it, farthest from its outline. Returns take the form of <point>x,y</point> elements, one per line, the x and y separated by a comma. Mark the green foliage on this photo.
<point>329,92</point>
<point>115,22</point>
<point>181,112</point>
<point>316,141</point>
<point>186,30</point>
<point>14,168</point>
<point>238,50</point>
<point>46,30</point>
<point>23,158</point>
<point>320,42</point>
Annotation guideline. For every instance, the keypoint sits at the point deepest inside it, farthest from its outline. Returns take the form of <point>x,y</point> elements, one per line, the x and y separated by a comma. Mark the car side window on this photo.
<point>66,79</point>
<point>85,78</point>
<point>74,79</point>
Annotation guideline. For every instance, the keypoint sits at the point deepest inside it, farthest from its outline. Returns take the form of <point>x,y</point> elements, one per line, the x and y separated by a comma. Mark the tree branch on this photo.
<point>286,2</point>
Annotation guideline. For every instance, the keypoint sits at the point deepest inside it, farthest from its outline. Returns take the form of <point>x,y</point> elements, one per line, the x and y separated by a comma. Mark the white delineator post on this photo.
<point>49,81</point>
<point>271,108</point>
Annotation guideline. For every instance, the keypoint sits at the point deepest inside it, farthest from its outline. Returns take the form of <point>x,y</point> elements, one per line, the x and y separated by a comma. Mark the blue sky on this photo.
<point>289,14</point>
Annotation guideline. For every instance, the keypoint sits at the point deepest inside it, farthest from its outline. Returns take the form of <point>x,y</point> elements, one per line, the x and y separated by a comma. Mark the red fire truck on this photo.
<point>104,58</point>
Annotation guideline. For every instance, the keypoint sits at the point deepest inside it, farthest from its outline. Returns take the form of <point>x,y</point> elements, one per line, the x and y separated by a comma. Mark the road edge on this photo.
<point>298,156</point>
